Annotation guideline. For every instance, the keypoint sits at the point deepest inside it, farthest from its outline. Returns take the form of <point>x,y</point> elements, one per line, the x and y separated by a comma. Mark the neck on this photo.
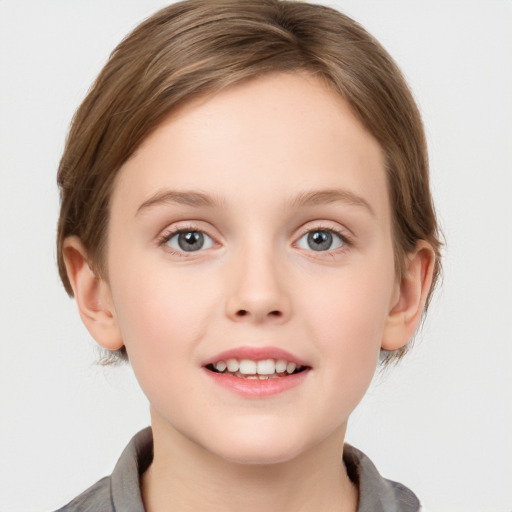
<point>184,477</point>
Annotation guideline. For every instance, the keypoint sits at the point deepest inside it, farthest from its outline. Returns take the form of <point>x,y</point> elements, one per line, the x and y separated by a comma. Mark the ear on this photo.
<point>409,298</point>
<point>92,295</point>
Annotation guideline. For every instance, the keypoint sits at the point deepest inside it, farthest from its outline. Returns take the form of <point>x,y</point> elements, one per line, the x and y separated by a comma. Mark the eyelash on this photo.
<point>164,239</point>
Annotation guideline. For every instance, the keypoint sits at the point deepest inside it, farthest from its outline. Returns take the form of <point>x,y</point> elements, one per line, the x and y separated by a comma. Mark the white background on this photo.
<point>440,423</point>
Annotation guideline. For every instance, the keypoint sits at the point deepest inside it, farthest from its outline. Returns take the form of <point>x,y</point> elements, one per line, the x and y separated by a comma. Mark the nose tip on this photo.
<point>257,294</point>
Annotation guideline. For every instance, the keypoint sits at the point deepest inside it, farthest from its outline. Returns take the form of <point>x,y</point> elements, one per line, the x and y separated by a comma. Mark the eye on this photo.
<point>188,240</point>
<point>321,240</point>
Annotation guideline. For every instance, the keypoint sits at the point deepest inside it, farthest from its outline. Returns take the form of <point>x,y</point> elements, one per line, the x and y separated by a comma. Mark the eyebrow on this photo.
<point>186,198</point>
<point>314,198</point>
<point>304,199</point>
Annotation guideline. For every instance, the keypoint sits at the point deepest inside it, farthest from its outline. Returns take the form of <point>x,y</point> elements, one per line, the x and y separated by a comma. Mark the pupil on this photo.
<point>190,241</point>
<point>320,240</point>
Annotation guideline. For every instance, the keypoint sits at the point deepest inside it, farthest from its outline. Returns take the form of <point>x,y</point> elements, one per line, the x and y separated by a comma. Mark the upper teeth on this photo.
<point>250,367</point>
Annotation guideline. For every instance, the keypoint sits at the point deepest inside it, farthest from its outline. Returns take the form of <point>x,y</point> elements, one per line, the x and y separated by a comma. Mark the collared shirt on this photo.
<point>120,492</point>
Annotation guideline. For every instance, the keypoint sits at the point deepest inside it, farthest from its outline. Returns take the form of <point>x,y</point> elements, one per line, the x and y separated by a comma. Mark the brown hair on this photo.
<point>198,47</point>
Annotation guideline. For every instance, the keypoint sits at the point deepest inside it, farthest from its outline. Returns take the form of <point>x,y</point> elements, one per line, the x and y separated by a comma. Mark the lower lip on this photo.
<point>255,388</point>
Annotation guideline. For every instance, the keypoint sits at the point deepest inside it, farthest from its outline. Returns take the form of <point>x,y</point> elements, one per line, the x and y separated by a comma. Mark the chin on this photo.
<point>260,450</point>
<point>257,458</point>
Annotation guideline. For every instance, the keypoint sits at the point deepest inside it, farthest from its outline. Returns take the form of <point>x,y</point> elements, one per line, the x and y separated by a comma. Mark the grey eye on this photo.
<point>190,241</point>
<point>321,240</point>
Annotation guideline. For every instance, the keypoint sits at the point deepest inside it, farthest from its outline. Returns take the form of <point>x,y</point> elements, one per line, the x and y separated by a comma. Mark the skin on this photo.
<point>253,149</point>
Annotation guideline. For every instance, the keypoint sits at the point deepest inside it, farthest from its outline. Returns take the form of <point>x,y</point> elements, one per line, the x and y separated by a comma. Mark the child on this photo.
<point>246,218</point>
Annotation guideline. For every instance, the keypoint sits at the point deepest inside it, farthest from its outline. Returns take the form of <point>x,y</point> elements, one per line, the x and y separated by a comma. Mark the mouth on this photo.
<point>256,369</point>
<point>257,372</point>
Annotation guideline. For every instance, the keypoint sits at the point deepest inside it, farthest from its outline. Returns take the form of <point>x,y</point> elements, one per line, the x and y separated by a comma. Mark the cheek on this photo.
<point>162,314</point>
<point>349,310</point>
<point>346,321</point>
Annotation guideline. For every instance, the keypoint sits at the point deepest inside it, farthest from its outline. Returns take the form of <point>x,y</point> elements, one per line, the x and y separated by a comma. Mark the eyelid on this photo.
<point>343,232</point>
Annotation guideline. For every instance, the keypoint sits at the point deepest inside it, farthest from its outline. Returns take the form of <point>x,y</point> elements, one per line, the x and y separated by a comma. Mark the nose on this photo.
<point>257,289</point>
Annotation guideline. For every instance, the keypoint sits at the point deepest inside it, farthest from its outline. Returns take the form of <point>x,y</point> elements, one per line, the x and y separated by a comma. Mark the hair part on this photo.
<point>199,47</point>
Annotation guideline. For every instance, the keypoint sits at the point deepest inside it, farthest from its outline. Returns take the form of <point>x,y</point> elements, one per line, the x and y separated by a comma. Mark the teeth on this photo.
<point>247,367</point>
<point>220,366</point>
<point>266,367</point>
<point>263,369</point>
<point>290,367</point>
<point>281,366</point>
<point>233,365</point>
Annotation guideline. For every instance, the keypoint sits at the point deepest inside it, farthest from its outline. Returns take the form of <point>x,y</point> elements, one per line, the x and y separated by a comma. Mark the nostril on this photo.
<point>244,312</point>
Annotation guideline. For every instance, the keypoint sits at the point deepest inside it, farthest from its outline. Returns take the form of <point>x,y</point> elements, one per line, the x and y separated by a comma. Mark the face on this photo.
<point>252,230</point>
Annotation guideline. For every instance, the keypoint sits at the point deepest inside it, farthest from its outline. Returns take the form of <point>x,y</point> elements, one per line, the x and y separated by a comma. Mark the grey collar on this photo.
<point>376,494</point>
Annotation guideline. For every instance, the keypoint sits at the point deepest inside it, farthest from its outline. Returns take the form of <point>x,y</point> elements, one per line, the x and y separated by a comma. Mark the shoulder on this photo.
<point>119,492</point>
<point>98,498</point>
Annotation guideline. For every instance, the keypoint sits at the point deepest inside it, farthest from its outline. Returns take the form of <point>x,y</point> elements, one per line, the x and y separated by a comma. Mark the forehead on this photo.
<point>271,137</point>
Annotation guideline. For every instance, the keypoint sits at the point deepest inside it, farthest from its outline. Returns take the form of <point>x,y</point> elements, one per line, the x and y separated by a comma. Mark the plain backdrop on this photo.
<point>440,422</point>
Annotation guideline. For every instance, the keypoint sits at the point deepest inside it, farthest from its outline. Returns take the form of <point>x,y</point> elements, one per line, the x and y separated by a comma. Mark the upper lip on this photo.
<point>255,354</point>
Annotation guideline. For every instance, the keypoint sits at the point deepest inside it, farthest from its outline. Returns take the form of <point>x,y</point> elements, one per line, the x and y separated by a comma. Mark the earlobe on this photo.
<point>409,300</point>
<point>92,294</point>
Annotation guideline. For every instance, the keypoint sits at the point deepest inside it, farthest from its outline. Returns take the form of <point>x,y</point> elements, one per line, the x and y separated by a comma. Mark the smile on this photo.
<point>256,369</point>
<point>256,372</point>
